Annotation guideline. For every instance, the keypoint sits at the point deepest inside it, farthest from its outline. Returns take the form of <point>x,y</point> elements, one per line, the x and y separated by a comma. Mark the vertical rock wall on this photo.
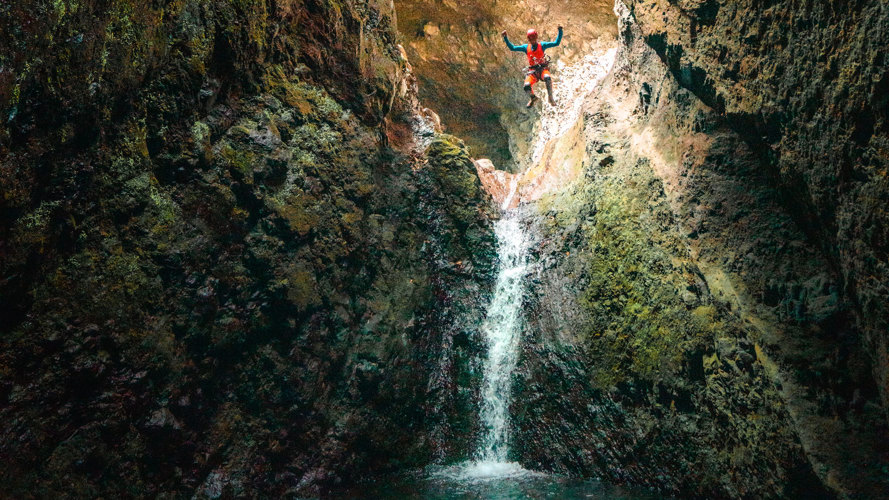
<point>217,276</point>
<point>687,332</point>
<point>806,85</point>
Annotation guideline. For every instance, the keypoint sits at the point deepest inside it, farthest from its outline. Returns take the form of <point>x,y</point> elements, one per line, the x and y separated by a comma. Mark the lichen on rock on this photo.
<point>219,279</point>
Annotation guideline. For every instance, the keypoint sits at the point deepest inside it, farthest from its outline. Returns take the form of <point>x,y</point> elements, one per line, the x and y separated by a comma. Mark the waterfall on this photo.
<point>513,186</point>
<point>502,329</point>
<point>504,321</point>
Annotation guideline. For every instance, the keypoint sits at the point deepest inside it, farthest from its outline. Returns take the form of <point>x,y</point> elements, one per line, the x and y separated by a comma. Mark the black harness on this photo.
<point>537,69</point>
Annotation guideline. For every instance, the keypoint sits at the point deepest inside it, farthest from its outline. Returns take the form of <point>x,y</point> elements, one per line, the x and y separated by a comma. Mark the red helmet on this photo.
<point>532,34</point>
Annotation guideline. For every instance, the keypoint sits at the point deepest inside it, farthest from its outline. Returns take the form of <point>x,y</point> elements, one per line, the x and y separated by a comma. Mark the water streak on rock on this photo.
<point>502,328</point>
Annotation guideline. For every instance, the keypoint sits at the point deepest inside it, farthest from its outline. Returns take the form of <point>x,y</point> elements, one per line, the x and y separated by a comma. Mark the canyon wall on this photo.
<point>238,256</point>
<point>806,85</point>
<point>689,331</point>
<point>234,255</point>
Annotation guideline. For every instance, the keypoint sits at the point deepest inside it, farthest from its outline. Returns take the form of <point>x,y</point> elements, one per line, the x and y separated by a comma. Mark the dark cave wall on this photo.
<point>218,277</point>
<point>806,84</point>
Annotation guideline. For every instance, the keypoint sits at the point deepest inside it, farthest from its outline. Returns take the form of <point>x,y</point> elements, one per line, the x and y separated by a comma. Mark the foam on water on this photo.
<point>481,471</point>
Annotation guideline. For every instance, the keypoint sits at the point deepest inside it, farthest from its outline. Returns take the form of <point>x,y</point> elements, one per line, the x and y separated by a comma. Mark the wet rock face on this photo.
<point>474,82</point>
<point>218,278</point>
<point>686,332</point>
<point>633,370</point>
<point>807,88</point>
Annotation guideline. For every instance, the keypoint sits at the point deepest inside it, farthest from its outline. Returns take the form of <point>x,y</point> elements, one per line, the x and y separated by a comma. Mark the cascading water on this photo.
<point>490,474</point>
<point>503,323</point>
<point>502,329</point>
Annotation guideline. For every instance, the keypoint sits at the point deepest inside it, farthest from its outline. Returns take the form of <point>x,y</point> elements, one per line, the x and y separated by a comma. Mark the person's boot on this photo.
<point>549,92</point>
<point>532,101</point>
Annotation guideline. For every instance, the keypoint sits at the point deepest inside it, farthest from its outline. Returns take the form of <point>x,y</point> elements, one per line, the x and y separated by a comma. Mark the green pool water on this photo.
<point>486,480</point>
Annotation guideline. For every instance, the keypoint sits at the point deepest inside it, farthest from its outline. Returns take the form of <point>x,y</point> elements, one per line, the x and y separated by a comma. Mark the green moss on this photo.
<point>32,230</point>
<point>37,219</point>
<point>239,159</point>
<point>308,100</point>
<point>302,289</point>
<point>168,211</point>
<point>200,132</point>
<point>451,168</point>
<point>640,327</point>
<point>299,212</point>
<point>126,274</point>
<point>267,263</point>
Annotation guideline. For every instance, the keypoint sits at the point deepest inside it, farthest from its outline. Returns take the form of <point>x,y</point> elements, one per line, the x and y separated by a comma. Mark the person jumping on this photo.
<point>537,63</point>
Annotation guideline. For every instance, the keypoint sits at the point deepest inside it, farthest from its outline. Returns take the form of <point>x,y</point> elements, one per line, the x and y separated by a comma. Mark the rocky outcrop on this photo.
<point>687,333</point>
<point>219,276</point>
<point>806,87</point>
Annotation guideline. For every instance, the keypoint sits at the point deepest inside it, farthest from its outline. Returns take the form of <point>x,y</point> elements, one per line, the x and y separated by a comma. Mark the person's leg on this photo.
<point>530,80</point>
<point>549,86</point>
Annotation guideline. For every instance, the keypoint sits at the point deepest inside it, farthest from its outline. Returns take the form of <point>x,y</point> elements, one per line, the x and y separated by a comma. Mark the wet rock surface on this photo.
<point>662,349</point>
<point>806,88</point>
<point>474,82</point>
<point>218,276</point>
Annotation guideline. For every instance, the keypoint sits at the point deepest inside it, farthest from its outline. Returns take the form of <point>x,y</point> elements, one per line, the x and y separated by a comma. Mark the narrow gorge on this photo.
<point>321,249</point>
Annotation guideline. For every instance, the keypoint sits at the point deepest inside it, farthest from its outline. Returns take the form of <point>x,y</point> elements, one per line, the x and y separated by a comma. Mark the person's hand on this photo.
<point>503,33</point>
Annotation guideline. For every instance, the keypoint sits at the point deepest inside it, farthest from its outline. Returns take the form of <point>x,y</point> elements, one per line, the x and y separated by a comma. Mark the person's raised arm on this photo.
<point>554,43</point>
<point>514,48</point>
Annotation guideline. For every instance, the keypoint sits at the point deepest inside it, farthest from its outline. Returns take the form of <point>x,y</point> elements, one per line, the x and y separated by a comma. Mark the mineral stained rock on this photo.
<point>460,59</point>
<point>808,90</point>
<point>708,314</point>
<point>218,278</point>
<point>688,329</point>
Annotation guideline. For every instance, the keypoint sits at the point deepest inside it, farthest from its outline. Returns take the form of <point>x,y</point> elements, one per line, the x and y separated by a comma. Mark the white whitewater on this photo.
<point>502,329</point>
<point>513,186</point>
<point>503,323</point>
